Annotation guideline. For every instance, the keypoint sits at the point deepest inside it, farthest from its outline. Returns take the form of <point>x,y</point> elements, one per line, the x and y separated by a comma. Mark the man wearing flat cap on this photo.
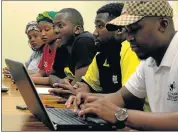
<point>152,36</point>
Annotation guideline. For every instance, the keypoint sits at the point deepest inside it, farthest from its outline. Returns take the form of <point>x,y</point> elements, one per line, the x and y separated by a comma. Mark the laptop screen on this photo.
<point>28,91</point>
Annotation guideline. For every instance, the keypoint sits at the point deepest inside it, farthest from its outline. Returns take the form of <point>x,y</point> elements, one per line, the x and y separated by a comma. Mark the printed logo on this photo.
<point>45,64</point>
<point>172,87</point>
<point>114,79</point>
<point>172,93</point>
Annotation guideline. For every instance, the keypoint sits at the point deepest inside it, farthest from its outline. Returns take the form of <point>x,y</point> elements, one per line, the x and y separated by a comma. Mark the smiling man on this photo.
<point>152,36</point>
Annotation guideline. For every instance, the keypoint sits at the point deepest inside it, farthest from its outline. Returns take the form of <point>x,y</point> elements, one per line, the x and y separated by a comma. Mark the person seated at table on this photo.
<point>45,24</point>
<point>113,64</point>
<point>153,37</point>
<point>36,44</point>
<point>76,49</point>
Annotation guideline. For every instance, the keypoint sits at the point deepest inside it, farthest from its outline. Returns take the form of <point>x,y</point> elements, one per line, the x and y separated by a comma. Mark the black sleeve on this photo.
<point>83,52</point>
<point>60,62</point>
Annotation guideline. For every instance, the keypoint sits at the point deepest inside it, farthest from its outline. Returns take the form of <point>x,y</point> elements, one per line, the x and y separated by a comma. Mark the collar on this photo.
<point>150,62</point>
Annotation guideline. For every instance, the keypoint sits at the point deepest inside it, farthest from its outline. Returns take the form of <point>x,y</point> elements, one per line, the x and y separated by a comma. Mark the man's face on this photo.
<point>46,31</point>
<point>144,37</point>
<point>102,36</point>
<point>63,28</point>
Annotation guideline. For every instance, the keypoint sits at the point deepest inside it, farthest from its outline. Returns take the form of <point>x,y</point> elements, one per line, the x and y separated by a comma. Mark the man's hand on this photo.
<point>62,81</point>
<point>81,87</point>
<point>102,107</point>
<point>81,98</point>
<point>65,87</point>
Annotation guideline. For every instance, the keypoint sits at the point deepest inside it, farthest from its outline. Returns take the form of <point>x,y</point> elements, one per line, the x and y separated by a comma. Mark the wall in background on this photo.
<point>174,5</point>
<point>16,14</point>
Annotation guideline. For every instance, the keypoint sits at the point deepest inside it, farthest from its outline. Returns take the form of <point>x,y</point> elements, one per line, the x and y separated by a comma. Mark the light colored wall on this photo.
<point>174,5</point>
<point>16,14</point>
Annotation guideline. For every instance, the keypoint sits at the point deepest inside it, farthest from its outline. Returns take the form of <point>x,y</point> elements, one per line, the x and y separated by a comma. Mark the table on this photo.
<point>21,120</point>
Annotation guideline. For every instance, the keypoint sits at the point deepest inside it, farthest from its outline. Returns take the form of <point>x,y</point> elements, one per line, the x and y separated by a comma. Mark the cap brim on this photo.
<point>121,21</point>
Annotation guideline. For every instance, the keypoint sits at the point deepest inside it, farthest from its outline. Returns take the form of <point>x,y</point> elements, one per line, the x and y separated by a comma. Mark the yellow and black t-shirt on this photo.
<point>100,75</point>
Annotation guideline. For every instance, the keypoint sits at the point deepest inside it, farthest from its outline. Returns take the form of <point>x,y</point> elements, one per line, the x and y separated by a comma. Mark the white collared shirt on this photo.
<point>159,84</point>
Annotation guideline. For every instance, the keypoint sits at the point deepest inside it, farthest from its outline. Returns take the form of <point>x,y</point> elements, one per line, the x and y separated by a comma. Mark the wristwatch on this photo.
<point>121,116</point>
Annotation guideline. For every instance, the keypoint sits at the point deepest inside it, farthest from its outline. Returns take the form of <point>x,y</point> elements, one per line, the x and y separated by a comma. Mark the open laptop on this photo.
<point>54,118</point>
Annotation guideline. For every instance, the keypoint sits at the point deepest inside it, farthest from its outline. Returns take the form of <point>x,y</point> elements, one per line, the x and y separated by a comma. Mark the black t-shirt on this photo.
<point>82,53</point>
<point>61,61</point>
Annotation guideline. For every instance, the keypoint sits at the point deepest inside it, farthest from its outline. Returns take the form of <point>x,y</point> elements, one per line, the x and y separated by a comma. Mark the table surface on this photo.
<point>21,120</point>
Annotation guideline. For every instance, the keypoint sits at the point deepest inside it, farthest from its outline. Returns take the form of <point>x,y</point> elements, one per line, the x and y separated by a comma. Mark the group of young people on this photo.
<point>130,57</point>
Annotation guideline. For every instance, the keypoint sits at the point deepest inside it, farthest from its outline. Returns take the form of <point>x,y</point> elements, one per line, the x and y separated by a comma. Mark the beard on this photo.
<point>106,46</point>
<point>143,57</point>
<point>101,47</point>
<point>68,42</point>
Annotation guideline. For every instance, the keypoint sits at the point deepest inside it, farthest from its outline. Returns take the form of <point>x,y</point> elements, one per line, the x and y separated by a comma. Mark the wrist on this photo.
<point>121,115</point>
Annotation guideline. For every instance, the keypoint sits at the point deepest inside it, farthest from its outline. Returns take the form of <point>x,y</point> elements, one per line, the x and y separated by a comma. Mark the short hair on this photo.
<point>114,9</point>
<point>74,15</point>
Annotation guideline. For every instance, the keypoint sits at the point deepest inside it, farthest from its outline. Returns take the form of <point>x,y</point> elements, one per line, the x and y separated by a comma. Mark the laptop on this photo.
<point>53,118</point>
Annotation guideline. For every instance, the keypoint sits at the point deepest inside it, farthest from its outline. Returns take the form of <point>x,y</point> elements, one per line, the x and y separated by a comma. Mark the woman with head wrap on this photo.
<point>36,44</point>
<point>45,24</point>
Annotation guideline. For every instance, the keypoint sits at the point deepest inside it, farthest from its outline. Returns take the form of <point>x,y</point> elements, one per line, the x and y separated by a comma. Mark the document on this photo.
<point>41,90</point>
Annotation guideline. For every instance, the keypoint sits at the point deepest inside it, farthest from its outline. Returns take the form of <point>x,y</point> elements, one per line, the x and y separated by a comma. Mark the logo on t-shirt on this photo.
<point>172,87</point>
<point>114,79</point>
<point>45,64</point>
<point>172,93</point>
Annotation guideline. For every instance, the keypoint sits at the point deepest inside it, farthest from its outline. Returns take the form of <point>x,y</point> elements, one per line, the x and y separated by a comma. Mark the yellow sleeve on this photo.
<point>92,76</point>
<point>129,61</point>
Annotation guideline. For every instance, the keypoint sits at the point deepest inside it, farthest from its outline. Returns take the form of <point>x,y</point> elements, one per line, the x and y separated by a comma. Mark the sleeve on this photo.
<point>129,61</point>
<point>136,83</point>
<point>40,65</point>
<point>92,76</point>
<point>83,51</point>
<point>30,59</point>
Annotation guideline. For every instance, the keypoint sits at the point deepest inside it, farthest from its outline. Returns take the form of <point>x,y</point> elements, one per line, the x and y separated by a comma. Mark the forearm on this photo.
<point>37,74</point>
<point>152,121</point>
<point>80,72</point>
<point>116,98</point>
<point>53,79</point>
<point>41,80</point>
<point>31,73</point>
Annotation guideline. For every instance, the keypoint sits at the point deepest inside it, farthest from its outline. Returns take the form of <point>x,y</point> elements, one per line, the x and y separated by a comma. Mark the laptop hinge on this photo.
<point>55,125</point>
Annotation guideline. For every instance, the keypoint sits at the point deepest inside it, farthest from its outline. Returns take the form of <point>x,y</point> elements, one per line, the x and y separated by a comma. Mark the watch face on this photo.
<point>121,114</point>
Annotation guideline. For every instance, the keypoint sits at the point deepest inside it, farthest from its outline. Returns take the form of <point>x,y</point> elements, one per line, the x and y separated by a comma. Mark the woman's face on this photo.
<point>46,32</point>
<point>35,40</point>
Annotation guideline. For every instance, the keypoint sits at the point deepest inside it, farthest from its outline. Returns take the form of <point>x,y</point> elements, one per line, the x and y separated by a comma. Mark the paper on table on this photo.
<point>2,86</point>
<point>42,90</point>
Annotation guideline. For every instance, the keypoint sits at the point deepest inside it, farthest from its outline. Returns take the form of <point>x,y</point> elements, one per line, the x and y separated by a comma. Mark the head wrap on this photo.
<point>33,25</point>
<point>47,16</point>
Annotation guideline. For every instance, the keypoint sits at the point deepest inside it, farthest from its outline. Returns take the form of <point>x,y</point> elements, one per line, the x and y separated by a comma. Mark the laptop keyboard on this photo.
<point>64,116</point>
